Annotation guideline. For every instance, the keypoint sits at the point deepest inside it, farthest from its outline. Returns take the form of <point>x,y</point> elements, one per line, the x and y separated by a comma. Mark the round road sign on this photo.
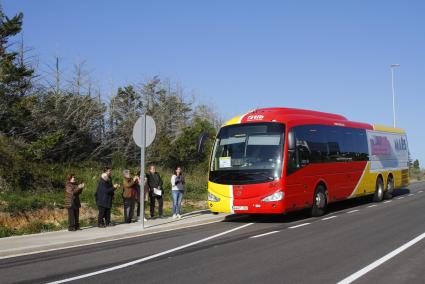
<point>150,131</point>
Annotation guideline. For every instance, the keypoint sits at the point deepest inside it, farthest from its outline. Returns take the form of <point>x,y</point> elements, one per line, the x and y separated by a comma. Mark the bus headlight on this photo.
<point>278,195</point>
<point>212,197</point>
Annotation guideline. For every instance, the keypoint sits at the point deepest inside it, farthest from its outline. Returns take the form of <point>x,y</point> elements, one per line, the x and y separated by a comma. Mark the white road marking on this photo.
<point>124,265</point>
<point>265,234</point>
<point>374,205</point>
<point>388,201</point>
<point>380,261</point>
<point>411,194</point>
<point>420,191</point>
<point>300,225</point>
<point>352,211</point>
<point>107,241</point>
<point>400,197</point>
<point>330,217</point>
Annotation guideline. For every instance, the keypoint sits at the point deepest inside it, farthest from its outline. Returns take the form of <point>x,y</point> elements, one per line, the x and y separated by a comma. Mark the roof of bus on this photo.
<point>293,116</point>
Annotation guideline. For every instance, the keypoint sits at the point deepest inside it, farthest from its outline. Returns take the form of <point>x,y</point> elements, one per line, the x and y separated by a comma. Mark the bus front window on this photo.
<point>248,153</point>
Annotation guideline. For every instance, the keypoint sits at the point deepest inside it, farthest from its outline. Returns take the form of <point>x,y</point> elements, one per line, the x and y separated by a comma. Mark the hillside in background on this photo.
<point>51,126</point>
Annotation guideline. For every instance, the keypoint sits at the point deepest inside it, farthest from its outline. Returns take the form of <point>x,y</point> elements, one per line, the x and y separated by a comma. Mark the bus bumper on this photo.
<point>246,206</point>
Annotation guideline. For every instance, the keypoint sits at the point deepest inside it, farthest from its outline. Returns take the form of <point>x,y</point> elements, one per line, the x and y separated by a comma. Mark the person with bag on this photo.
<point>104,196</point>
<point>72,202</point>
<point>129,195</point>
<point>177,191</point>
<point>154,184</point>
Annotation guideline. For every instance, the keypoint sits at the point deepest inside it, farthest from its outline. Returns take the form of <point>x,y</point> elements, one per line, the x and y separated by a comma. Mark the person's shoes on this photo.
<point>71,229</point>
<point>101,225</point>
<point>161,217</point>
<point>174,216</point>
<point>110,225</point>
<point>144,219</point>
<point>179,216</point>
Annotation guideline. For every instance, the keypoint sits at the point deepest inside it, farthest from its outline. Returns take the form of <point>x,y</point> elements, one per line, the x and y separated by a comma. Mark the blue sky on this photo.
<point>331,56</point>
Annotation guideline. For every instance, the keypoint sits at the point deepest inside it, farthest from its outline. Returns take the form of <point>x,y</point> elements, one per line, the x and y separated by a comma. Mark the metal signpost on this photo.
<point>144,131</point>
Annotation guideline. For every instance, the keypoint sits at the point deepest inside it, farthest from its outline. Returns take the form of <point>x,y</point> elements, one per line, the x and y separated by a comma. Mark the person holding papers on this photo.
<point>154,183</point>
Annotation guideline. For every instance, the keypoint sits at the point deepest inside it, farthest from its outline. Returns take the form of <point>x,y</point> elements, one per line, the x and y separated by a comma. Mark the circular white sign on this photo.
<point>150,131</point>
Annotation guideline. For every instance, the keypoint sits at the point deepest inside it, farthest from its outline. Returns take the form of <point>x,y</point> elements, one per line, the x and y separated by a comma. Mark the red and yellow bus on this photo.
<point>276,160</point>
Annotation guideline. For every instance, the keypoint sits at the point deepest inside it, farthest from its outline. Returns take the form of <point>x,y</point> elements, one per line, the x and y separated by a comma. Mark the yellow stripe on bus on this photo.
<point>384,128</point>
<point>235,120</point>
<point>224,192</point>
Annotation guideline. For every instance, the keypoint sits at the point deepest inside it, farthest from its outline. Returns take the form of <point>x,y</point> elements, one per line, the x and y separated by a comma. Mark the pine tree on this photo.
<point>416,164</point>
<point>15,78</point>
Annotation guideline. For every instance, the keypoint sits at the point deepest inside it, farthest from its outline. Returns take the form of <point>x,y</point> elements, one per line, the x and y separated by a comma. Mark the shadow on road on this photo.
<point>305,214</point>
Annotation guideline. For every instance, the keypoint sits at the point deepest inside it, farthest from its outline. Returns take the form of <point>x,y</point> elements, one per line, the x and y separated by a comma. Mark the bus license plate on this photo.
<point>240,207</point>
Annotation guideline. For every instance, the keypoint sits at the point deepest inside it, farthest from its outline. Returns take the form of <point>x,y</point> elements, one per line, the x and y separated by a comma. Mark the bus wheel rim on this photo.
<point>390,185</point>
<point>380,191</point>
<point>320,200</point>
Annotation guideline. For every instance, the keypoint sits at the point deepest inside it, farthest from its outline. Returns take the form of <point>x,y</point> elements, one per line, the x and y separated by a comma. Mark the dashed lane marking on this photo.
<point>300,225</point>
<point>388,201</point>
<point>374,205</point>
<point>330,217</point>
<point>352,211</point>
<point>265,234</point>
<point>420,191</point>
<point>400,197</point>
<point>411,194</point>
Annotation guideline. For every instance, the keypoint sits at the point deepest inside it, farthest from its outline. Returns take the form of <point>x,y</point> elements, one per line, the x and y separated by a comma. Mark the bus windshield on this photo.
<point>248,153</point>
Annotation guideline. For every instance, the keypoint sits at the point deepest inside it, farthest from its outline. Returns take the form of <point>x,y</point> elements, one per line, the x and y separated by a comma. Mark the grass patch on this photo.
<point>48,193</point>
<point>5,231</point>
<point>417,174</point>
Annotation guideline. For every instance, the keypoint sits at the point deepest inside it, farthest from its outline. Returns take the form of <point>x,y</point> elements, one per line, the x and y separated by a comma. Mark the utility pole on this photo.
<point>392,66</point>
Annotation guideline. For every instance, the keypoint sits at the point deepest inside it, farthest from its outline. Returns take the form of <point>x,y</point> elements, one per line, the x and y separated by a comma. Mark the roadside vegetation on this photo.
<point>55,121</point>
<point>416,173</point>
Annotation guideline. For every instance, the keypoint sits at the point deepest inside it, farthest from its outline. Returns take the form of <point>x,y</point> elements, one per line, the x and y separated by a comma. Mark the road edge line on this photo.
<point>124,265</point>
<point>381,260</point>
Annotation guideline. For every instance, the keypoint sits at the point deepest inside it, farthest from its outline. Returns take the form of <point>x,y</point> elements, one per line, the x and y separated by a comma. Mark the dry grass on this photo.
<point>50,219</point>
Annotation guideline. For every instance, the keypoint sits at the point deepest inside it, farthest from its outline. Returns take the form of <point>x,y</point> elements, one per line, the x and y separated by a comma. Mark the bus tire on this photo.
<point>379,190</point>
<point>214,213</point>
<point>390,188</point>
<point>319,202</point>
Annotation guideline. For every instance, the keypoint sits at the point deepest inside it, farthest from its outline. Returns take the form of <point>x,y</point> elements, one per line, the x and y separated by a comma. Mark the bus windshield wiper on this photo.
<point>262,174</point>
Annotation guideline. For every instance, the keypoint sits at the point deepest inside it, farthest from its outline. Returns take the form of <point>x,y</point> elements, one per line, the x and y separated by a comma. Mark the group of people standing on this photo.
<point>153,187</point>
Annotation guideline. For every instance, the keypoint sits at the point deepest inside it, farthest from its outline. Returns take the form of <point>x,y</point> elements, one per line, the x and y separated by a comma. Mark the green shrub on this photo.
<point>5,231</point>
<point>37,226</point>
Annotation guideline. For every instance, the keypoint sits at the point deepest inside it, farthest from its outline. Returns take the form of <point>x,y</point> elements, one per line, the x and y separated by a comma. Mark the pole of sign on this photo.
<point>142,172</point>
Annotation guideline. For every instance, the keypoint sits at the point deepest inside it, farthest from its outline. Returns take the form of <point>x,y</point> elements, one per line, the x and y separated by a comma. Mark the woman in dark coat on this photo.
<point>72,202</point>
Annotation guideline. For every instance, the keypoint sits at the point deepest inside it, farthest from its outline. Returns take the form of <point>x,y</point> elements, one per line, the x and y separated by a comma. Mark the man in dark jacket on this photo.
<point>156,192</point>
<point>104,196</point>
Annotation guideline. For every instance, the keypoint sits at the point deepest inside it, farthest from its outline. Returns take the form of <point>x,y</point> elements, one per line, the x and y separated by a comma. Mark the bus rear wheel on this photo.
<point>390,188</point>
<point>319,202</point>
<point>379,190</point>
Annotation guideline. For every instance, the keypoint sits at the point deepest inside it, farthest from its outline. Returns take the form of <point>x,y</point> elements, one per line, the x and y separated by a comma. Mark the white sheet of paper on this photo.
<point>157,191</point>
<point>225,162</point>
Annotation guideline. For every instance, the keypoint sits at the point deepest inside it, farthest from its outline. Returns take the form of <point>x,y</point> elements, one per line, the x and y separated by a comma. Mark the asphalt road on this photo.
<point>255,249</point>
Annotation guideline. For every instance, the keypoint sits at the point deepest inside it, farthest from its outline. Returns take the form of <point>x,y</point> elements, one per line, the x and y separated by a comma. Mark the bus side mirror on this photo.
<point>291,141</point>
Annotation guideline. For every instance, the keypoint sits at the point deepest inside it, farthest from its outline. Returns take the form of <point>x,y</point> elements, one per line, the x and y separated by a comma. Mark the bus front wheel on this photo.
<point>319,202</point>
<point>379,190</point>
